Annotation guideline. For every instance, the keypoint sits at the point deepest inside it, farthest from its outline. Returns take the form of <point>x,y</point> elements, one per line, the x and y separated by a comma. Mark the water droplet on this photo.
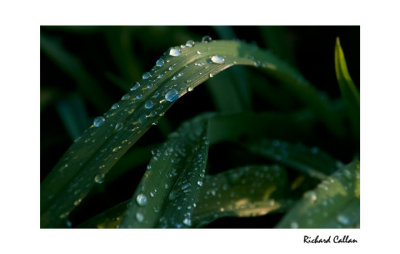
<point>99,178</point>
<point>149,86</point>
<point>98,121</point>
<point>115,106</point>
<point>77,202</point>
<point>180,74</point>
<point>206,39</point>
<point>189,89</point>
<point>211,75</point>
<point>139,96</point>
<point>160,62</point>
<point>146,75</point>
<point>171,68</point>
<point>119,126</point>
<point>141,199</point>
<point>217,59</point>
<point>172,95</point>
<point>311,195</point>
<point>125,97</point>
<point>135,86</point>
<point>198,52</point>
<point>174,78</point>
<point>199,183</point>
<point>160,76</point>
<point>187,222</point>
<point>149,104</point>
<point>189,43</point>
<point>343,219</point>
<point>139,217</point>
<point>174,52</point>
<point>294,224</point>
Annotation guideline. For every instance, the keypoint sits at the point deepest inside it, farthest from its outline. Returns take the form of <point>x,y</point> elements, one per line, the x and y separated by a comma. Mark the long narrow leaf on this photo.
<point>348,89</point>
<point>334,203</point>
<point>172,182</point>
<point>241,192</point>
<point>310,161</point>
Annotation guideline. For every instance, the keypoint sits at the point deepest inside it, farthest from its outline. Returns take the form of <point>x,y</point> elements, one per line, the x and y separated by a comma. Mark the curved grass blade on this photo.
<point>334,203</point>
<point>173,177</point>
<point>310,161</point>
<point>179,71</point>
<point>241,192</point>
<point>348,89</point>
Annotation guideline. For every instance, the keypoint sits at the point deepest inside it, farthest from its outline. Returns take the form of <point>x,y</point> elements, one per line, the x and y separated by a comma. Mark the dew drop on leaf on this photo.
<point>160,62</point>
<point>135,86</point>
<point>139,217</point>
<point>172,95</point>
<point>206,39</point>
<point>99,178</point>
<point>187,222</point>
<point>174,52</point>
<point>125,97</point>
<point>217,59</point>
<point>141,199</point>
<point>146,75</point>
<point>98,121</point>
<point>149,104</point>
<point>343,219</point>
<point>115,106</point>
<point>189,43</point>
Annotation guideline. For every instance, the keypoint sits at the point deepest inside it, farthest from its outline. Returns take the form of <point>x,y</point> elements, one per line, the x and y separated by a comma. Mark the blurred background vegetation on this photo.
<point>84,70</point>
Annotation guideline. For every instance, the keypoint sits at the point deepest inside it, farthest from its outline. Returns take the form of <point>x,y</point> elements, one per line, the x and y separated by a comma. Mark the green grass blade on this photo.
<point>174,177</point>
<point>241,192</point>
<point>348,89</point>
<point>334,203</point>
<point>73,114</point>
<point>181,69</point>
<point>310,161</point>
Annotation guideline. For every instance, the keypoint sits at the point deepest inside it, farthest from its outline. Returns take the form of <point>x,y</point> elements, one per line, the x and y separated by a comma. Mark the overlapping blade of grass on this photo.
<point>170,187</point>
<point>310,161</point>
<point>348,89</point>
<point>334,203</point>
<point>241,192</point>
<point>177,72</point>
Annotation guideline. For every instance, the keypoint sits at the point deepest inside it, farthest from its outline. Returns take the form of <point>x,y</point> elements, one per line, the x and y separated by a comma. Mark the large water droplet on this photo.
<point>172,95</point>
<point>187,222</point>
<point>98,121</point>
<point>189,43</point>
<point>139,217</point>
<point>343,219</point>
<point>149,104</point>
<point>115,106</point>
<point>125,97</point>
<point>206,39</point>
<point>217,59</point>
<point>174,52</point>
<point>99,178</point>
<point>141,199</point>
<point>135,86</point>
<point>146,75</point>
<point>160,62</point>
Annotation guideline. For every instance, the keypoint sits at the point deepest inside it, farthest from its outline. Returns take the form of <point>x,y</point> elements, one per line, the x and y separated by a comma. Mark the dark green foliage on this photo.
<point>275,135</point>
